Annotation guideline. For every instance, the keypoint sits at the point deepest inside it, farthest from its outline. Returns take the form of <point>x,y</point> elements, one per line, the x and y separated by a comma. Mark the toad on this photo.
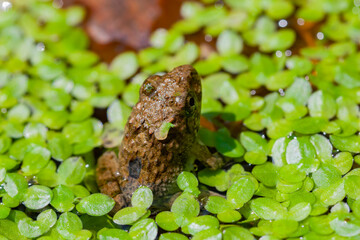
<point>160,139</point>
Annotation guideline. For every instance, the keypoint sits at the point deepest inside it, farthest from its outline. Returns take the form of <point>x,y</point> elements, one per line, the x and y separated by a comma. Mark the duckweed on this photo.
<point>283,112</point>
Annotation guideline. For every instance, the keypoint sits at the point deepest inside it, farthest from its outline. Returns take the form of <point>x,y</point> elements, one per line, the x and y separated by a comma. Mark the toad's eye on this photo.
<point>148,88</point>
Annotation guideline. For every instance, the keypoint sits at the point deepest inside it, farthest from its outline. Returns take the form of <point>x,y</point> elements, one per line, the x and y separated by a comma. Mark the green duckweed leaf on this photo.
<point>187,180</point>
<point>284,227</point>
<point>82,58</point>
<point>240,192</point>
<point>334,193</point>
<point>37,197</point>
<point>185,207</point>
<point>300,211</point>
<point>68,225</point>
<point>346,225</point>
<point>7,162</point>
<point>229,42</point>
<point>96,204</point>
<point>255,157</point>
<point>5,143</point>
<point>216,204</point>
<point>281,40</point>
<point>55,119</point>
<point>322,146</point>
<point>2,174</point>
<point>322,104</point>
<point>19,113</point>
<point>144,229</point>
<point>299,65</point>
<point>173,41</point>
<point>326,175</point>
<point>266,174</point>
<point>142,197</point>
<point>252,141</point>
<point>59,147</point>
<point>57,99</point>
<point>29,228</point>
<point>343,161</point>
<point>236,232</point>
<point>280,9</point>
<point>118,113</point>
<point>162,132</point>
<point>214,178</point>
<point>229,216</point>
<point>63,199</point>
<point>347,144</point>
<point>268,209</point>
<point>278,151</point>
<point>235,63</point>
<point>299,91</point>
<point>15,185</point>
<point>34,130</point>
<point>291,173</point>
<point>114,234</point>
<point>321,224</point>
<point>208,66</point>
<point>166,221</point>
<point>35,160</point>
<point>201,223</point>
<point>211,233</point>
<point>352,187</point>
<point>129,215</point>
<point>10,230</point>
<point>4,211</point>
<point>172,236</point>
<point>125,65</point>
<point>226,145</point>
<point>280,80</point>
<point>356,208</point>
<point>71,171</point>
<point>309,125</point>
<point>299,149</point>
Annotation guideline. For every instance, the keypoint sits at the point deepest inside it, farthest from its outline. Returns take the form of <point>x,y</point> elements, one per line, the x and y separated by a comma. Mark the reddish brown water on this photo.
<point>103,13</point>
<point>125,25</point>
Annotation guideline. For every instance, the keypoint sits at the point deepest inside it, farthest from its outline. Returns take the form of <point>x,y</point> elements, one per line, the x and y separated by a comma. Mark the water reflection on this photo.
<point>5,5</point>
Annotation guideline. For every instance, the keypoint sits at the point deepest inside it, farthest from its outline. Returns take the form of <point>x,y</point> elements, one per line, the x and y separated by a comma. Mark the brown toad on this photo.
<point>150,158</point>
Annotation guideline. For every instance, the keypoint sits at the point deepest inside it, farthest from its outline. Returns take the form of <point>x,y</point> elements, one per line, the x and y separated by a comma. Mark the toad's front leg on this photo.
<point>202,153</point>
<point>109,179</point>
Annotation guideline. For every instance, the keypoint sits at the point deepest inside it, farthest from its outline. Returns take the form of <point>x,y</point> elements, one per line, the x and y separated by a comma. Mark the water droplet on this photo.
<point>278,53</point>
<point>288,53</point>
<point>282,23</point>
<point>300,21</point>
<point>208,38</point>
<point>40,47</point>
<point>282,92</point>
<point>320,36</point>
<point>5,6</point>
